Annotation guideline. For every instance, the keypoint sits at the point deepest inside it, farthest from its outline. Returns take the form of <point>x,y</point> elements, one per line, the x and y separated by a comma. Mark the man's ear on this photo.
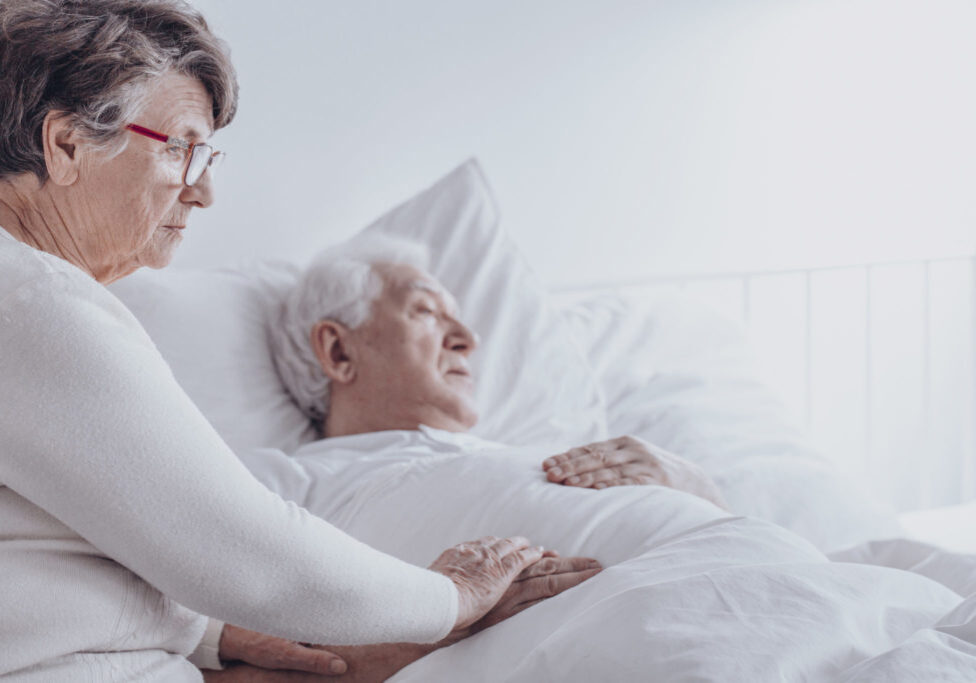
<point>61,148</point>
<point>331,343</point>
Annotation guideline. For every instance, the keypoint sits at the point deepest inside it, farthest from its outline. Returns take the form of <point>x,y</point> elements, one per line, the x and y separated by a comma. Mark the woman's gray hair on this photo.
<point>341,285</point>
<point>96,60</point>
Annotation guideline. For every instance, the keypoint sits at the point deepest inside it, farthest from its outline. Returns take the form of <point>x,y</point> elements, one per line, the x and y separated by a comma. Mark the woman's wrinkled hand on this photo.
<point>628,460</point>
<point>483,570</point>
<point>547,578</point>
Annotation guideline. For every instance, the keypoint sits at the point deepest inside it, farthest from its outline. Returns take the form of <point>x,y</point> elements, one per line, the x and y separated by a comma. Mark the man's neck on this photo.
<point>342,425</point>
<point>349,414</point>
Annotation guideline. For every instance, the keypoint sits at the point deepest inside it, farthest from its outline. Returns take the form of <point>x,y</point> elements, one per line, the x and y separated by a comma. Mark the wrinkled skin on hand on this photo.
<point>483,570</point>
<point>549,576</point>
<point>626,461</point>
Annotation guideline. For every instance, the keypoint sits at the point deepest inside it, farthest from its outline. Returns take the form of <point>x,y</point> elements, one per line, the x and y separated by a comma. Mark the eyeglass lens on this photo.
<point>202,156</point>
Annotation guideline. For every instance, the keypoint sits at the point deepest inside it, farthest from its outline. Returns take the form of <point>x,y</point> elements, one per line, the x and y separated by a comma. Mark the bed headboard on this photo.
<point>876,360</point>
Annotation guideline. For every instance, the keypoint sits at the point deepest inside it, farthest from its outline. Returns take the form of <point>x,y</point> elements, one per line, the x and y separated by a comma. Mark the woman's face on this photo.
<point>132,207</point>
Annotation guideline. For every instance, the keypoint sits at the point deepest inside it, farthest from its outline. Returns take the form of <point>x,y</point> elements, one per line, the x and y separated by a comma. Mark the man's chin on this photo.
<point>471,422</point>
<point>469,414</point>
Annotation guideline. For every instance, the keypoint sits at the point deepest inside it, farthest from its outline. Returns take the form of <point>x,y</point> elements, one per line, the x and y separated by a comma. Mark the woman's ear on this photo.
<point>331,343</point>
<point>61,149</point>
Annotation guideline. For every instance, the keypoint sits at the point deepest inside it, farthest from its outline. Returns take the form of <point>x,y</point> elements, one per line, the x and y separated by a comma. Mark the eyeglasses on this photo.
<point>199,155</point>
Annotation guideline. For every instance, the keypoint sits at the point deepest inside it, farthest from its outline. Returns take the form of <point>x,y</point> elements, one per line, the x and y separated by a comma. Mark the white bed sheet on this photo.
<point>689,593</point>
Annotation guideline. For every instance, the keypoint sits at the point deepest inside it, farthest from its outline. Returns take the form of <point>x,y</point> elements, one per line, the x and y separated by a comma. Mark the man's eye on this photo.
<point>175,150</point>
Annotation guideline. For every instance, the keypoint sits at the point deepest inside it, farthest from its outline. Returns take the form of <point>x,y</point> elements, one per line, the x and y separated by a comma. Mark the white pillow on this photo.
<point>534,386</point>
<point>211,327</point>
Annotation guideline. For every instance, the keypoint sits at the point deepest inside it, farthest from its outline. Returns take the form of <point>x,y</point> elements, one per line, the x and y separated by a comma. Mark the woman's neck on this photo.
<point>30,215</point>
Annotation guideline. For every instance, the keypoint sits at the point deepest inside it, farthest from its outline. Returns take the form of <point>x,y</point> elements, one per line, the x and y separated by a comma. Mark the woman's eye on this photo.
<point>175,151</point>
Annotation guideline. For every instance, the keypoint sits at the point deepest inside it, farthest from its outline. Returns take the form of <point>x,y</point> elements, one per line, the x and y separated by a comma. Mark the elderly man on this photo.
<point>373,350</point>
<point>370,342</point>
<point>408,368</point>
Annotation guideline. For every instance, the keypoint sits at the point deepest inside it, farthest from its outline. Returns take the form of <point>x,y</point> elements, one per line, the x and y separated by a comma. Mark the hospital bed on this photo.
<point>685,596</point>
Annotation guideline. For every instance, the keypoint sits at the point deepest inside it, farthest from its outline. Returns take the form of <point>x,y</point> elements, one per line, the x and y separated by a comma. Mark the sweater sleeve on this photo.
<point>97,432</point>
<point>207,652</point>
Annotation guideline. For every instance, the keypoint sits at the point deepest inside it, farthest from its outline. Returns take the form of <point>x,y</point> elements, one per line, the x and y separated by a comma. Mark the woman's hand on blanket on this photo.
<point>628,460</point>
<point>483,571</point>
<point>548,577</point>
<point>240,645</point>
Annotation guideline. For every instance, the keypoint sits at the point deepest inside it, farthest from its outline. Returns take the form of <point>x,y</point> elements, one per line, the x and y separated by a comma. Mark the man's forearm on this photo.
<point>366,664</point>
<point>374,663</point>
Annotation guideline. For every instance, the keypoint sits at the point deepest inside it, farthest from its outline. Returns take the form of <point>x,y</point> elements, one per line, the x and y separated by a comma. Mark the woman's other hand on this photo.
<point>483,570</point>
<point>628,460</point>
<point>241,645</point>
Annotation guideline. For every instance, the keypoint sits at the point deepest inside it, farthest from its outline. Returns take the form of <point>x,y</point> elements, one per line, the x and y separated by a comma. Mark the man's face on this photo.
<point>412,354</point>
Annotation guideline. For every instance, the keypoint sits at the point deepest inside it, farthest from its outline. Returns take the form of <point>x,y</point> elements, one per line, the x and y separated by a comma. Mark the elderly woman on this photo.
<point>123,515</point>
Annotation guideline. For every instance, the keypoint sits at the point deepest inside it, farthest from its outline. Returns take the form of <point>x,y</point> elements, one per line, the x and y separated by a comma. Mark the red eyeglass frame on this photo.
<point>182,144</point>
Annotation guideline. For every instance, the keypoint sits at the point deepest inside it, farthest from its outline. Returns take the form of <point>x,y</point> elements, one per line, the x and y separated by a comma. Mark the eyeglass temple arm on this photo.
<point>148,133</point>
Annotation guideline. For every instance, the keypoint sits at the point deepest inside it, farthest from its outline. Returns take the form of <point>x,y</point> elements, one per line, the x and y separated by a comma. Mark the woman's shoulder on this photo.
<point>39,291</point>
<point>22,265</point>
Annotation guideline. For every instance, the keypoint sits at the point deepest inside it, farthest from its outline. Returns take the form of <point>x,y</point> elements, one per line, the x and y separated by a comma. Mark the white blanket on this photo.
<point>689,592</point>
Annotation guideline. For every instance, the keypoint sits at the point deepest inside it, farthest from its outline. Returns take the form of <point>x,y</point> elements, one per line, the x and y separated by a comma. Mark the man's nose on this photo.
<point>461,339</point>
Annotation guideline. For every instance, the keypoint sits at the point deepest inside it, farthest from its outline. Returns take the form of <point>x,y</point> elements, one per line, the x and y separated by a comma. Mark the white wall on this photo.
<point>624,138</point>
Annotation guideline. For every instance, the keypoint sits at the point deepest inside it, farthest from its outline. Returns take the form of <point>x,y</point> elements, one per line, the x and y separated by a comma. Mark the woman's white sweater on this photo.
<point>124,516</point>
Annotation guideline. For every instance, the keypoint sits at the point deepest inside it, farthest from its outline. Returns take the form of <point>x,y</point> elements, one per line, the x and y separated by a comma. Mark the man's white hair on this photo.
<point>340,284</point>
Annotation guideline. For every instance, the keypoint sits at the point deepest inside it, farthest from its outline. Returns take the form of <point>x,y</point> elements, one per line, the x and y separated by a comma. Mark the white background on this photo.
<point>632,139</point>
<point>624,138</point>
